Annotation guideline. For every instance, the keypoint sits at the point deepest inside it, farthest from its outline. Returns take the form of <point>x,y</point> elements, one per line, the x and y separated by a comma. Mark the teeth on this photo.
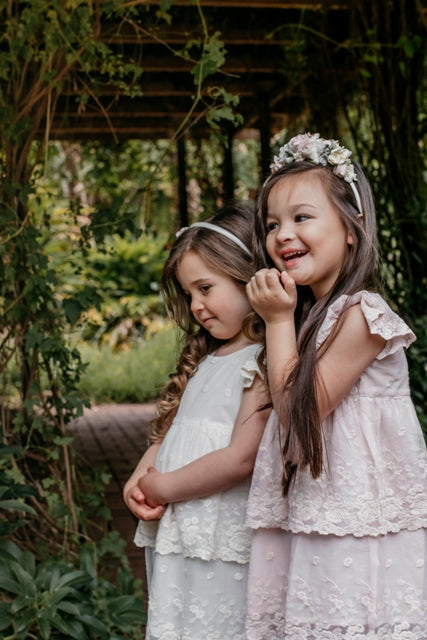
<point>294,255</point>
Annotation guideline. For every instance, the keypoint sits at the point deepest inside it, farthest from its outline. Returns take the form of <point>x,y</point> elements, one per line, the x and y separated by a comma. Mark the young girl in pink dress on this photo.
<point>206,436</point>
<point>338,501</point>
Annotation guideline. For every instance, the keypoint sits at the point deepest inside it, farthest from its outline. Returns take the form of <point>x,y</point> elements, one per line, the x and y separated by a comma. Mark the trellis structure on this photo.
<point>257,35</point>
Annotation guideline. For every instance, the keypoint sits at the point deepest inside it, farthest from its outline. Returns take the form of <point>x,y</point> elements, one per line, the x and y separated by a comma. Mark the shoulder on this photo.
<point>355,330</point>
<point>368,313</point>
<point>250,369</point>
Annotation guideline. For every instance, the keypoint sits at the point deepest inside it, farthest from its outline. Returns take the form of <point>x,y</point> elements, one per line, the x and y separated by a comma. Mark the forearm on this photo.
<point>217,471</point>
<point>147,460</point>
<point>281,349</point>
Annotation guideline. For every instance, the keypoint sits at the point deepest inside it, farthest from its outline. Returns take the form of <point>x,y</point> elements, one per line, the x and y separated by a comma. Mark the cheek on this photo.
<point>269,244</point>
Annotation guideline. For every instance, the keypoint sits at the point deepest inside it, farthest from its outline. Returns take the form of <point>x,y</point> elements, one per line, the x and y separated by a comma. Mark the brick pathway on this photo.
<point>113,437</point>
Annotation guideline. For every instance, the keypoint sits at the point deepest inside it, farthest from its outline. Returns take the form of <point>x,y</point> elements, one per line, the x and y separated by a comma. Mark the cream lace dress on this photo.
<point>198,553</point>
<point>343,557</point>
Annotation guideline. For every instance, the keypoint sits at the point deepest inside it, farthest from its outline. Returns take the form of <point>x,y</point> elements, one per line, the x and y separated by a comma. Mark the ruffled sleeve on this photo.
<point>250,369</point>
<point>381,321</point>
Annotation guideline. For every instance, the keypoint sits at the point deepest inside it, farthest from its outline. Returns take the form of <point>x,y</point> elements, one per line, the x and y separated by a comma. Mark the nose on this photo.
<point>285,232</point>
<point>196,304</point>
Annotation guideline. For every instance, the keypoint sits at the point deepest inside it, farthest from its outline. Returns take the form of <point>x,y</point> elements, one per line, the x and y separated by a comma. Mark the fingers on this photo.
<point>142,510</point>
<point>137,495</point>
<point>272,293</point>
<point>288,283</point>
<point>262,284</point>
<point>151,513</point>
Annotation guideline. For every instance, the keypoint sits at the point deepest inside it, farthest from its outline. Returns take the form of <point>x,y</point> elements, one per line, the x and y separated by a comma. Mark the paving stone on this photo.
<point>113,437</point>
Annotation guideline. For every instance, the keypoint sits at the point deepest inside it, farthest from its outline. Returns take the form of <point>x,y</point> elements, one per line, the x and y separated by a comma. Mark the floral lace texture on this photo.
<point>194,599</point>
<point>374,480</point>
<point>314,587</point>
<point>211,528</point>
<point>343,557</point>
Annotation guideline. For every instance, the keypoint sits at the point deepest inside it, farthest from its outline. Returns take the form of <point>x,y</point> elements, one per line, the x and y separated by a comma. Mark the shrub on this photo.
<point>133,375</point>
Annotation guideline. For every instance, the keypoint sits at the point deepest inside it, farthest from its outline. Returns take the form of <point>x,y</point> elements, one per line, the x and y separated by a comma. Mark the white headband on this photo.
<point>356,195</point>
<point>223,232</point>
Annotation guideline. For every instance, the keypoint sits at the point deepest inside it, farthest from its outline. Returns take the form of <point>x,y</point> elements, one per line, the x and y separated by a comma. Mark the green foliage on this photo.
<point>212,58</point>
<point>128,265</point>
<point>64,596</point>
<point>13,492</point>
<point>46,290</point>
<point>52,599</point>
<point>133,375</point>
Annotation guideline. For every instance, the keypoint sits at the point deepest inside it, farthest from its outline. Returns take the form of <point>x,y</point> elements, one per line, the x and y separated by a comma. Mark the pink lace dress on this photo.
<point>198,553</point>
<point>343,557</point>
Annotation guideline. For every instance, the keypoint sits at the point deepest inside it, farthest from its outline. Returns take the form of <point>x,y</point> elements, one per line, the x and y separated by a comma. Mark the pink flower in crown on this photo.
<point>311,148</point>
<point>340,171</point>
<point>345,171</point>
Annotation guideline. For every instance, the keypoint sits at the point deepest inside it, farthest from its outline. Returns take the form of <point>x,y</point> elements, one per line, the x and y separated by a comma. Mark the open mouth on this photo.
<point>293,256</point>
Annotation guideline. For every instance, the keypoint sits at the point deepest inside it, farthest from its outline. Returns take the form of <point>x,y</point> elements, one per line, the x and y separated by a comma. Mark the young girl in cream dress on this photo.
<point>206,437</point>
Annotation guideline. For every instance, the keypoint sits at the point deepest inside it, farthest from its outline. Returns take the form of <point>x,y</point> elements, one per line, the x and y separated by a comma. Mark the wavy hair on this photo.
<point>302,445</point>
<point>226,257</point>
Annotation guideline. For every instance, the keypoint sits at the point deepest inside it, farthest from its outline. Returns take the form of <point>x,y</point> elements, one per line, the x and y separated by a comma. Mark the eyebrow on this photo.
<point>197,282</point>
<point>293,209</point>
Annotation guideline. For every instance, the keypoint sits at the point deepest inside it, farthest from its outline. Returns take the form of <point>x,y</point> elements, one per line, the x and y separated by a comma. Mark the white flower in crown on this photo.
<point>312,147</point>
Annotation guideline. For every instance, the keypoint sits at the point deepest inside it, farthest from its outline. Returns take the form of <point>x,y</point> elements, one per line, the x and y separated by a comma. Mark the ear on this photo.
<point>350,237</point>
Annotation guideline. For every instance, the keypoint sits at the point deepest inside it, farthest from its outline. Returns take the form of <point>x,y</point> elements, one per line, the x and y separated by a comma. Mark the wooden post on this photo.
<point>182,183</point>
<point>227,173</point>
<point>265,135</point>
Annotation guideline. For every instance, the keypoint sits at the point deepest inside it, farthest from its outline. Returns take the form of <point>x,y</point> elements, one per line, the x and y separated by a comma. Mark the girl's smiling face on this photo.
<point>305,235</point>
<point>217,302</point>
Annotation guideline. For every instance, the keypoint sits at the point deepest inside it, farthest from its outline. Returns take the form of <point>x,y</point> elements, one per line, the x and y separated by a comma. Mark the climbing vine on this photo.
<point>45,500</point>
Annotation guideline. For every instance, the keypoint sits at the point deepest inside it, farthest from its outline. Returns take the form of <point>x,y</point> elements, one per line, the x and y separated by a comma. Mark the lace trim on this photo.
<point>249,370</point>
<point>354,497</point>
<point>272,629</point>
<point>381,320</point>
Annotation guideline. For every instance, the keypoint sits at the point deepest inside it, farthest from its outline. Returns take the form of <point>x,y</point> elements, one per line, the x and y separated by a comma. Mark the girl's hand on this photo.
<point>272,294</point>
<point>137,504</point>
<point>151,485</point>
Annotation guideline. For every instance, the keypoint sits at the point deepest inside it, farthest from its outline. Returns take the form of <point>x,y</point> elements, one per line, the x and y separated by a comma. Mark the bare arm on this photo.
<point>273,295</point>
<point>132,494</point>
<point>353,348</point>
<point>351,352</point>
<point>220,469</point>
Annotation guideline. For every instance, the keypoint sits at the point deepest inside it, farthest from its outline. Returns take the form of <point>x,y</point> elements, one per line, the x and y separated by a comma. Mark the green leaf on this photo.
<point>9,550</point>
<point>21,602</point>
<point>72,310</point>
<point>16,505</point>
<point>5,616</point>
<point>72,578</point>
<point>44,628</point>
<point>95,624</point>
<point>70,628</point>
<point>25,579</point>
<point>69,607</point>
<point>8,583</point>
<point>212,58</point>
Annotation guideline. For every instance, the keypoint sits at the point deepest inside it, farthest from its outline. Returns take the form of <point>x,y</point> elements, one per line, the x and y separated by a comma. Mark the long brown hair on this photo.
<point>226,257</point>
<point>299,413</point>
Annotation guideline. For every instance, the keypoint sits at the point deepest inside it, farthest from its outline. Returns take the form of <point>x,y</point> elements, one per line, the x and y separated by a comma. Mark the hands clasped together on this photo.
<point>142,499</point>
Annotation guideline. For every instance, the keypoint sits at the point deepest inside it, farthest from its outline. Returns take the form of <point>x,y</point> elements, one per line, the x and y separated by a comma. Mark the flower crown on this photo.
<point>317,150</point>
<point>312,147</point>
